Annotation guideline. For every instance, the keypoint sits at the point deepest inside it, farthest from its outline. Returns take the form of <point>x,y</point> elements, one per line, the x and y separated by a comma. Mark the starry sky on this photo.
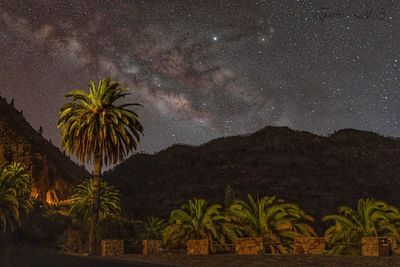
<point>204,69</point>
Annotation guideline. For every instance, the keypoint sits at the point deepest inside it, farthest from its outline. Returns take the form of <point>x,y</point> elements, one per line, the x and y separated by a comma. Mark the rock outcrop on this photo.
<point>52,172</point>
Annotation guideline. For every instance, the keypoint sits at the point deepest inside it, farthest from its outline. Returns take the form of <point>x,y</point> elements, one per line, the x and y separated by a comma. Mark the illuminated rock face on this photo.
<point>51,171</point>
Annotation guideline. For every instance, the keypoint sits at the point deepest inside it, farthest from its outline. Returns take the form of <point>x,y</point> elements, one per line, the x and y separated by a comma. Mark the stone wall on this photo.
<point>394,248</point>
<point>375,246</point>
<point>111,247</point>
<point>197,247</point>
<point>309,245</point>
<point>151,247</point>
<point>250,246</point>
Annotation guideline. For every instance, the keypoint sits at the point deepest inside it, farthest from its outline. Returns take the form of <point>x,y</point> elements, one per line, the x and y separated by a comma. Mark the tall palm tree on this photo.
<point>371,218</point>
<point>99,131</point>
<point>277,221</point>
<point>194,220</point>
<point>82,201</point>
<point>15,190</point>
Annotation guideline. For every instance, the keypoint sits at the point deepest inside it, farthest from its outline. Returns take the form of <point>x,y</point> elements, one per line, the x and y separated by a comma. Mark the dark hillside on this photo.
<point>319,173</point>
<point>50,169</point>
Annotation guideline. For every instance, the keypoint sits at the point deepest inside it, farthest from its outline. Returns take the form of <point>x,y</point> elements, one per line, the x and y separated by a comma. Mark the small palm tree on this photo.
<point>99,131</point>
<point>371,218</point>
<point>277,221</point>
<point>15,190</point>
<point>82,201</point>
<point>153,228</point>
<point>195,220</point>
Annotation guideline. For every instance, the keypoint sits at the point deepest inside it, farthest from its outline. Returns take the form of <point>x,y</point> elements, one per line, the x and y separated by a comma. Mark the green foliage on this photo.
<point>81,202</point>
<point>194,220</point>
<point>371,218</point>
<point>269,217</point>
<point>15,190</point>
<point>152,228</point>
<point>93,125</point>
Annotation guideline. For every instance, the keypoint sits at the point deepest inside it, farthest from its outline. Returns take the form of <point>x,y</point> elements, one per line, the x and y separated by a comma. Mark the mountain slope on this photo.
<point>319,173</point>
<point>50,169</point>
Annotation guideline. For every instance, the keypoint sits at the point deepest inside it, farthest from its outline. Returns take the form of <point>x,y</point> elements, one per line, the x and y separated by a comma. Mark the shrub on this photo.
<point>115,227</point>
<point>194,220</point>
<point>45,225</point>
<point>371,218</point>
<point>152,228</point>
<point>72,241</point>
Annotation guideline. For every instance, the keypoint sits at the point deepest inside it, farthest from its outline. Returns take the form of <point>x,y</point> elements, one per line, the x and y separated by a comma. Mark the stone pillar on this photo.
<point>250,246</point>
<point>112,247</point>
<point>309,245</point>
<point>370,246</point>
<point>197,247</point>
<point>151,247</point>
<point>394,248</point>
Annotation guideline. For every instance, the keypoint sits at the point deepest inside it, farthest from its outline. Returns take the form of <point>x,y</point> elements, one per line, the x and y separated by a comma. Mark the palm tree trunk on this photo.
<point>95,211</point>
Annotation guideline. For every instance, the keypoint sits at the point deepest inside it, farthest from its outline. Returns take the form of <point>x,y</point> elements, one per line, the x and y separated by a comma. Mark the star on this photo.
<point>192,63</point>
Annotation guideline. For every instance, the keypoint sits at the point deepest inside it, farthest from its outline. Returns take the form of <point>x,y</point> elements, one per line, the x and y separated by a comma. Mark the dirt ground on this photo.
<point>32,256</point>
<point>266,260</point>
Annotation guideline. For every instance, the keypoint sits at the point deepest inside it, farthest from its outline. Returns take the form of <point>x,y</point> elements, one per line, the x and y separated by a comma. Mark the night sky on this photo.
<point>205,69</point>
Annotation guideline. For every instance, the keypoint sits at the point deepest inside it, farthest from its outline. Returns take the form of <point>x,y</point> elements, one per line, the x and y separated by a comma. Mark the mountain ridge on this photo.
<point>50,169</point>
<point>319,173</point>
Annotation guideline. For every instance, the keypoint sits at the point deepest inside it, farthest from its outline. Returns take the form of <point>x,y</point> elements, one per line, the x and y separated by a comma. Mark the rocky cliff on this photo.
<point>50,169</point>
<point>319,173</point>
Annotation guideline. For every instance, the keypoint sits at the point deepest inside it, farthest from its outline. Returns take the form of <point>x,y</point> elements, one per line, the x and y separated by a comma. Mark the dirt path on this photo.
<point>39,257</point>
<point>266,260</point>
<point>31,256</point>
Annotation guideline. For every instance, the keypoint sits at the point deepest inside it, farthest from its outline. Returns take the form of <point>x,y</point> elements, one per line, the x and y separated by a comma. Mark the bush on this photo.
<point>115,227</point>
<point>152,228</point>
<point>44,225</point>
<point>73,241</point>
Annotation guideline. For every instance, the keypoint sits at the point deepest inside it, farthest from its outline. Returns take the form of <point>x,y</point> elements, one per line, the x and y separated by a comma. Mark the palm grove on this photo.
<point>100,130</point>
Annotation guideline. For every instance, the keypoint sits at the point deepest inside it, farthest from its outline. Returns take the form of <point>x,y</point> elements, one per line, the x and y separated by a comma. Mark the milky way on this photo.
<point>204,69</point>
